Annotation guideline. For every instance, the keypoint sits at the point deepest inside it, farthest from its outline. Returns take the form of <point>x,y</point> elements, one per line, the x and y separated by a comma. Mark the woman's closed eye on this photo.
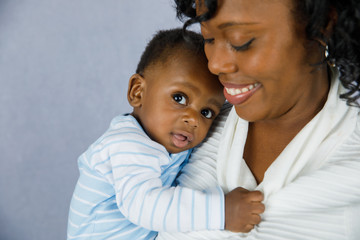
<point>240,48</point>
<point>180,98</point>
<point>207,113</point>
<point>244,46</point>
<point>208,40</point>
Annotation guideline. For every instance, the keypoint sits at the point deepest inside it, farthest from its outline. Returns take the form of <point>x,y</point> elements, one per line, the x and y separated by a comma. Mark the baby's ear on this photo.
<point>135,90</point>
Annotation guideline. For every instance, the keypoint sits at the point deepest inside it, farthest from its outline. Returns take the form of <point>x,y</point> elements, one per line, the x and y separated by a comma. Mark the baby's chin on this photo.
<point>174,149</point>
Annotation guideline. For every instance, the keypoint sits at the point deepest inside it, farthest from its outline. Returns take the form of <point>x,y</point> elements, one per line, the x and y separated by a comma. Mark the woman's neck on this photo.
<point>268,138</point>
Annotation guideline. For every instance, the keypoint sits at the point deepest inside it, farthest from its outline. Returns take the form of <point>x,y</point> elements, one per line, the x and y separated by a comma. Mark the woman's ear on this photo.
<point>333,17</point>
<point>135,90</point>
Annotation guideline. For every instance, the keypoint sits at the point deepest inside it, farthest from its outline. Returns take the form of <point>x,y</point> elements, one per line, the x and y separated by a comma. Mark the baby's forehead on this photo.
<point>181,60</point>
<point>182,53</point>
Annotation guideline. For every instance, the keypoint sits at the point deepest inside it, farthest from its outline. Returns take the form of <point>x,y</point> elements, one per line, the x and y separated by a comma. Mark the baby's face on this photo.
<point>179,103</point>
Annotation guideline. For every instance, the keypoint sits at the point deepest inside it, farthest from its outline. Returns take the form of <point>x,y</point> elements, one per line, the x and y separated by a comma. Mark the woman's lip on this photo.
<point>238,94</point>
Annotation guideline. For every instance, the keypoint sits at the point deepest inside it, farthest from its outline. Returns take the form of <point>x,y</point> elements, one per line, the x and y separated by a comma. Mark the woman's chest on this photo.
<point>262,149</point>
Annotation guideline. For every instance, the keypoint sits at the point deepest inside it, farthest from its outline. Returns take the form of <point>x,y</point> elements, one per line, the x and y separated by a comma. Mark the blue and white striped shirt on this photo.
<point>126,191</point>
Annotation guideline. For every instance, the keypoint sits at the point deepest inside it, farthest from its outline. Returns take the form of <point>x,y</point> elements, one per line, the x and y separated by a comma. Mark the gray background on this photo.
<point>64,69</point>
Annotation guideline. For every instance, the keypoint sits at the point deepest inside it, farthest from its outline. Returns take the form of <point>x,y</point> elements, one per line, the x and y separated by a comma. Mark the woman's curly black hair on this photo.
<point>343,42</point>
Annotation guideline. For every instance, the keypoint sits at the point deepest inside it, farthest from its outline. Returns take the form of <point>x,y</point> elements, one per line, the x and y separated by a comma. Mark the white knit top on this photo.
<point>312,190</point>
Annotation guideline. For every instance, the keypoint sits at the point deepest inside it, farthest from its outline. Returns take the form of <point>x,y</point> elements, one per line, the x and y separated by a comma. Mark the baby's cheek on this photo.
<point>203,133</point>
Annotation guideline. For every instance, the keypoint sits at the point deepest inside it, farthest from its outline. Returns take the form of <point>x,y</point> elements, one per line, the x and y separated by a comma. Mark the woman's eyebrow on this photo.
<point>230,24</point>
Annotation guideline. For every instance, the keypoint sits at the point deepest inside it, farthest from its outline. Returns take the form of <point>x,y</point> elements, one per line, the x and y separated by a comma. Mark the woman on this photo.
<point>291,69</point>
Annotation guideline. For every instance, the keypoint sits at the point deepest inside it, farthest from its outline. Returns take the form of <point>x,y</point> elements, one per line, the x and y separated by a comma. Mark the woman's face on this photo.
<point>262,58</point>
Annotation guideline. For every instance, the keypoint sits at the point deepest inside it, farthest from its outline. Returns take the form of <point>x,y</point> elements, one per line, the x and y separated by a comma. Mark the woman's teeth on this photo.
<point>236,91</point>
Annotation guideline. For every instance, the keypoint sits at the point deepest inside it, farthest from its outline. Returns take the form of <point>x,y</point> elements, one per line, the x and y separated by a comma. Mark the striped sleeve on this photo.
<point>136,171</point>
<point>145,201</point>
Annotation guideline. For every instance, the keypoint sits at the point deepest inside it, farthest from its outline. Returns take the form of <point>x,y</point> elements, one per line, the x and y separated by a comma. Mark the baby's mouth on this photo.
<point>182,139</point>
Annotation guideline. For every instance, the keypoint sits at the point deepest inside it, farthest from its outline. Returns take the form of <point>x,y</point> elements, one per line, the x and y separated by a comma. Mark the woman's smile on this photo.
<point>272,78</point>
<point>238,94</point>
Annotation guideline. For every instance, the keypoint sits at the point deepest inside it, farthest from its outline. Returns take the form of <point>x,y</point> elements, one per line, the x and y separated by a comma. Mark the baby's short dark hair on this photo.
<point>167,43</point>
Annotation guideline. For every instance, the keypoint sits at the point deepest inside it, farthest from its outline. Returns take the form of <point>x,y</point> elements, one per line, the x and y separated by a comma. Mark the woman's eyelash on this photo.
<point>236,48</point>
<point>244,46</point>
<point>208,40</point>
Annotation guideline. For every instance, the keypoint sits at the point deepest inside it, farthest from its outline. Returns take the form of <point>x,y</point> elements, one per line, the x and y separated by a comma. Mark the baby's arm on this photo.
<point>144,200</point>
<point>142,197</point>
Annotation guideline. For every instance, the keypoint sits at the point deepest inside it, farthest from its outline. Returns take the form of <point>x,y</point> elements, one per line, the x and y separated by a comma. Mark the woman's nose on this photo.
<point>220,59</point>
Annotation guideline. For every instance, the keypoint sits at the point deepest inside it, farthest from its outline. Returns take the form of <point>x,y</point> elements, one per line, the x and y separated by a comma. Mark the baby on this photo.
<point>126,185</point>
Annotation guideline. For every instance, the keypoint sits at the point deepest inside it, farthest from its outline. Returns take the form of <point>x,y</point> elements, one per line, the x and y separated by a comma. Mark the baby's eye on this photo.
<point>207,113</point>
<point>180,98</point>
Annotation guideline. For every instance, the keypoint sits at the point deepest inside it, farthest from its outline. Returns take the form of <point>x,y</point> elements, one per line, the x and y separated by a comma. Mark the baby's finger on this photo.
<point>257,208</point>
<point>256,196</point>
<point>255,219</point>
<point>248,228</point>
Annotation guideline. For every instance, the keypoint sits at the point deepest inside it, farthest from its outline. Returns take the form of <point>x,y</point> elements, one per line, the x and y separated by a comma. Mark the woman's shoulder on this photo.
<point>200,172</point>
<point>211,142</point>
<point>220,120</point>
<point>349,148</point>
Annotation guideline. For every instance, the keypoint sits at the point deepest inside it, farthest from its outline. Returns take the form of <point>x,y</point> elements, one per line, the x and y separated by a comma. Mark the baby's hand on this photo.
<point>243,209</point>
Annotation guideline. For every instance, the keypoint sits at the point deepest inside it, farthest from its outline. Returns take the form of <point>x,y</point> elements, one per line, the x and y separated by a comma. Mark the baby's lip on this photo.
<point>189,136</point>
<point>182,138</point>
